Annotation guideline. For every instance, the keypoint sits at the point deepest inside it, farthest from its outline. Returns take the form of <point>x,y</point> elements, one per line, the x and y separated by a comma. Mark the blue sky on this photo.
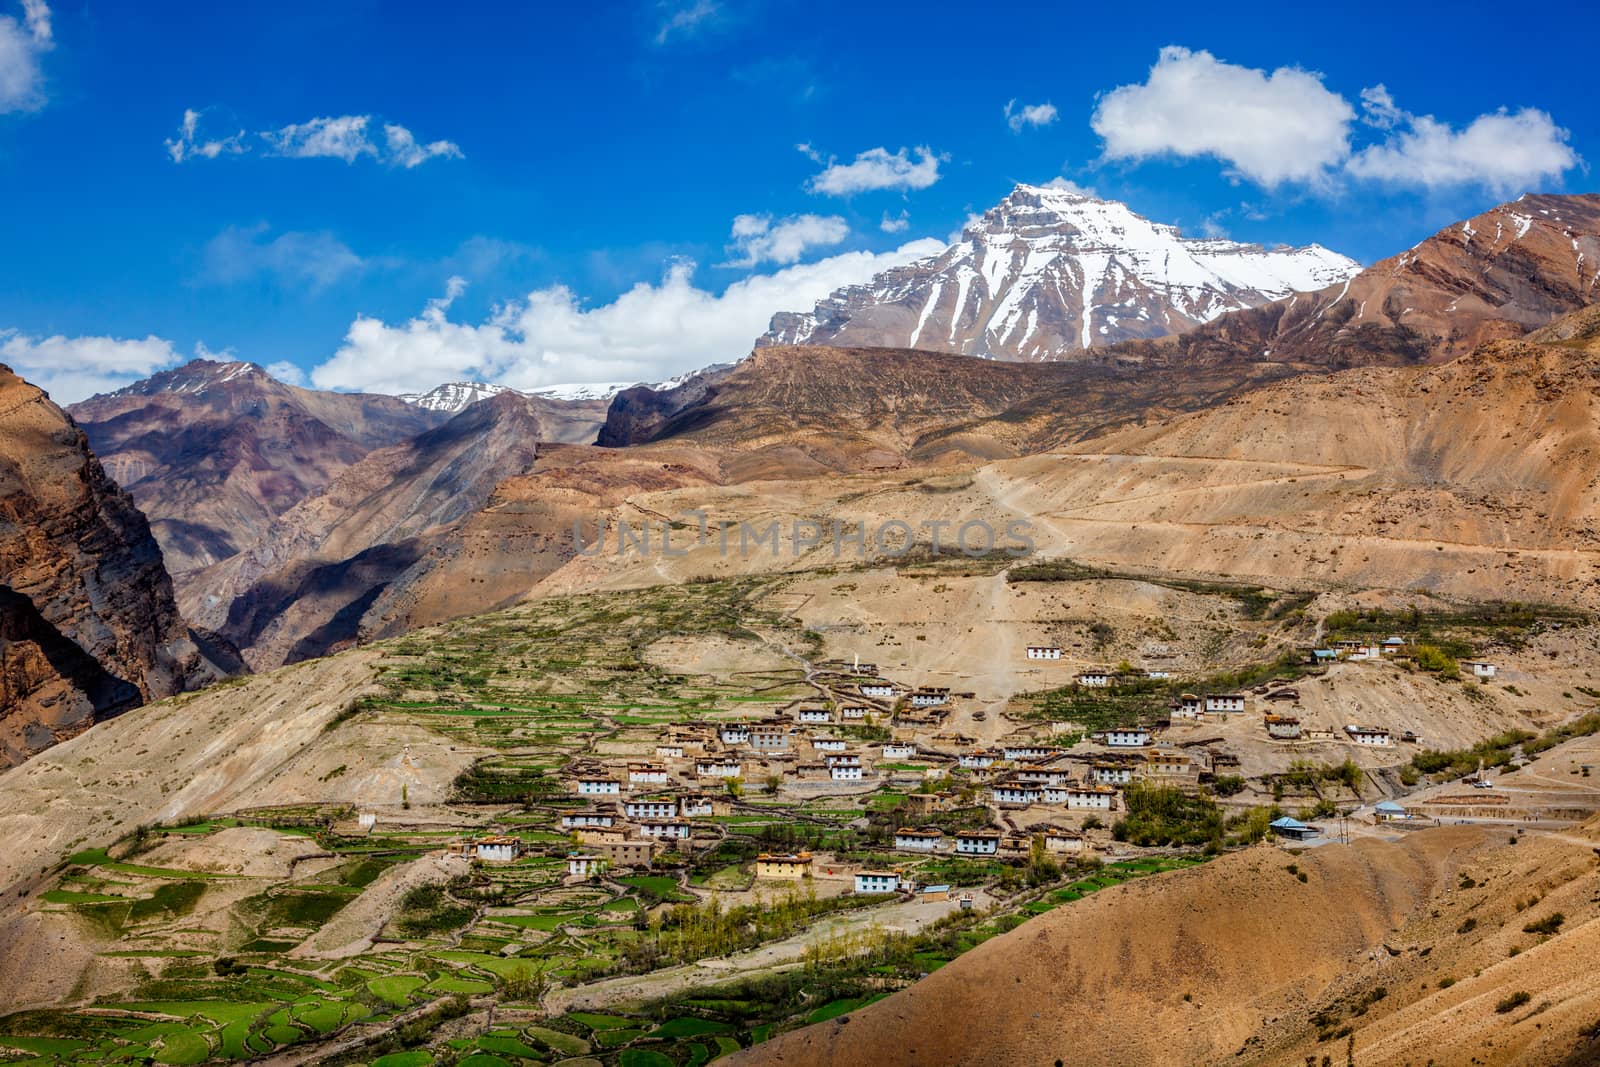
<point>386,196</point>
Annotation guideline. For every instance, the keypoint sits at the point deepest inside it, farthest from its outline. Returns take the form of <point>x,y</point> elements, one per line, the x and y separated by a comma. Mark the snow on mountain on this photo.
<point>453,397</point>
<point>594,391</point>
<point>1048,272</point>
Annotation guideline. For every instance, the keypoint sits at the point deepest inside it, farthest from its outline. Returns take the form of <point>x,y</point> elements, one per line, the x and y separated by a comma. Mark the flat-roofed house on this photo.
<point>1283,727</point>
<point>718,768</point>
<point>1044,652</point>
<point>1375,736</point>
<point>596,786</point>
<point>910,840</point>
<point>1127,737</point>
<point>978,842</point>
<point>1091,797</point>
<point>1224,702</point>
<point>659,808</point>
<point>874,882</point>
<point>789,866</point>
<point>585,865</point>
<point>498,849</point>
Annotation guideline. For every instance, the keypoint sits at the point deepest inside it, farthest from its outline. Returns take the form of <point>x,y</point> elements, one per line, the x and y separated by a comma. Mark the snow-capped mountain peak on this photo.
<point>453,397</point>
<point>1049,271</point>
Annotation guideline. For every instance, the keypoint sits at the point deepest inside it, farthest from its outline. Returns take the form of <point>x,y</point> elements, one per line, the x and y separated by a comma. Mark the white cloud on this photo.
<point>312,260</point>
<point>404,151</point>
<point>1269,127</point>
<point>1505,152</point>
<point>1029,115</point>
<point>757,239</point>
<point>346,137</point>
<point>896,223</point>
<point>287,372</point>
<point>1070,186</point>
<point>73,368</point>
<point>684,20</point>
<point>649,333</point>
<point>187,145</point>
<point>1378,108</point>
<point>21,45</point>
<point>343,137</point>
<point>878,168</point>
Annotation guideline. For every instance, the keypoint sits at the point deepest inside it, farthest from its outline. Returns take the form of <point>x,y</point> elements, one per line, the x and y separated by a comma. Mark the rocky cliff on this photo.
<point>88,623</point>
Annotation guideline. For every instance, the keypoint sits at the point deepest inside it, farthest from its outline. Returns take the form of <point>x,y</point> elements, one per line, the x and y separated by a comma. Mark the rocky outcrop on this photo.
<point>89,626</point>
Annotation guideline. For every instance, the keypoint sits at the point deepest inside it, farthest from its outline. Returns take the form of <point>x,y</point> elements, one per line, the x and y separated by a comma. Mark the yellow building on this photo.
<point>792,866</point>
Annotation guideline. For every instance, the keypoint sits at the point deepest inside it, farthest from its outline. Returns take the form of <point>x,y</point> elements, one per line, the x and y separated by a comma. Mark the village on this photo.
<point>1047,786</point>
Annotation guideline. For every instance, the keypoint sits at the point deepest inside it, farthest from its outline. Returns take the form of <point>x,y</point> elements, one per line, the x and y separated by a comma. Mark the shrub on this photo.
<point>1513,1002</point>
<point>1547,925</point>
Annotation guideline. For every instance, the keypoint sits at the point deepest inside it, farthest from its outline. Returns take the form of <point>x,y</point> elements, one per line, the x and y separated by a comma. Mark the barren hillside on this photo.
<point>1244,961</point>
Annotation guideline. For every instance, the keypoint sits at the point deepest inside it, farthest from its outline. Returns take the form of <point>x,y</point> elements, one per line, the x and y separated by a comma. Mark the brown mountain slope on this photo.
<point>1239,961</point>
<point>213,452</point>
<point>322,574</point>
<point>1435,477</point>
<point>1494,276</point>
<point>88,623</point>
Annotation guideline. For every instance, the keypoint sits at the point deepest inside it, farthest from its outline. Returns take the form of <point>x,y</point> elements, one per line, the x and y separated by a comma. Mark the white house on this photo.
<point>651,809</point>
<point>585,866</point>
<point>1127,737</point>
<point>769,738</point>
<point>670,830</point>
<point>829,744</point>
<point>868,882</point>
<point>734,735</point>
<point>1041,775</point>
<point>1158,675</point>
<point>367,820</point>
<point>929,698</point>
<point>1216,702</point>
<point>1063,839</point>
<point>1095,679</point>
<point>1112,773</point>
<point>854,712</point>
<point>899,750</point>
<point>1283,727</point>
<point>670,751</point>
<point>879,690</point>
<point>978,842</point>
<point>1028,750</point>
<point>599,787</point>
<point>1187,706</point>
<point>716,768</point>
<point>1480,669</point>
<point>1090,797</point>
<point>498,849</point>
<point>1376,736</point>
<point>1043,652</point>
<point>814,715</point>
<point>977,761</point>
<point>695,806</point>
<point>1010,793</point>
<point>845,772</point>
<point>572,820</point>
<point>917,840</point>
<point>647,774</point>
